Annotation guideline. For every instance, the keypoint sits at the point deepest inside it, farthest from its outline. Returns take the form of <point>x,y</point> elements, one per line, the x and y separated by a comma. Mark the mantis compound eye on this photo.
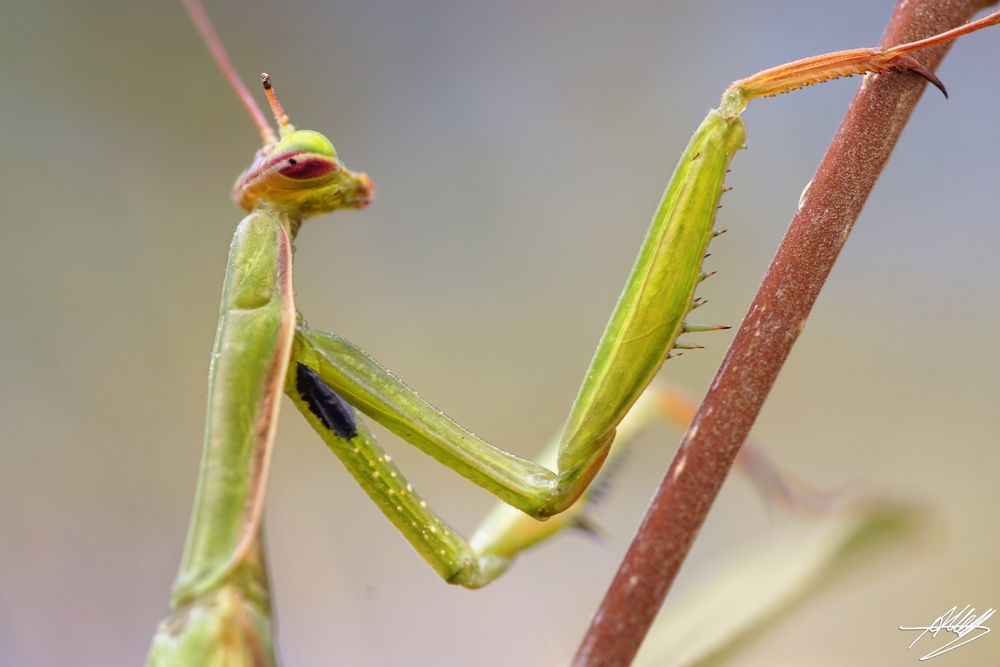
<point>301,168</point>
<point>305,154</point>
<point>307,142</point>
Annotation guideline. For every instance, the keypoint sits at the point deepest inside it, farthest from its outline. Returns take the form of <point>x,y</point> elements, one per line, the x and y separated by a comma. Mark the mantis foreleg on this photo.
<point>643,330</point>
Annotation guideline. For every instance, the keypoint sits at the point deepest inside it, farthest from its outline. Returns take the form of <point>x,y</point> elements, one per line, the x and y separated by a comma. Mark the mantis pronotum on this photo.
<point>263,348</point>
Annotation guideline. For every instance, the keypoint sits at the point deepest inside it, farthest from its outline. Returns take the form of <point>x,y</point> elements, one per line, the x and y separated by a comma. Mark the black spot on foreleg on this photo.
<point>325,403</point>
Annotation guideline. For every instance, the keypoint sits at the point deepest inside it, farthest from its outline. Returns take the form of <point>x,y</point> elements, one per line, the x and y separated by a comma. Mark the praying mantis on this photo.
<point>265,348</point>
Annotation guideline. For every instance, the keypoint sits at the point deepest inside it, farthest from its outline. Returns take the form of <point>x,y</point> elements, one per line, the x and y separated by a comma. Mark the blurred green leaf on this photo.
<point>758,586</point>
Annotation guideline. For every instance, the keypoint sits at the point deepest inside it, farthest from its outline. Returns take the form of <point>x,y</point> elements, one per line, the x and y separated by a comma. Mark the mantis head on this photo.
<point>299,173</point>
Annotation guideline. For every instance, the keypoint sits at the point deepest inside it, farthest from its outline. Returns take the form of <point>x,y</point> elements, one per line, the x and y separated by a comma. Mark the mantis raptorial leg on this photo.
<point>220,598</point>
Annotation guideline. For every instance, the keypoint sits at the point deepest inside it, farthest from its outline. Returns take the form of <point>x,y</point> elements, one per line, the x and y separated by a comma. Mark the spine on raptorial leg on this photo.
<point>658,295</point>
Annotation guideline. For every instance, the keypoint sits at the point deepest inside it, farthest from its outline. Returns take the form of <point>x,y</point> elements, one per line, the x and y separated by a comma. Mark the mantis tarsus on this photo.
<point>221,597</point>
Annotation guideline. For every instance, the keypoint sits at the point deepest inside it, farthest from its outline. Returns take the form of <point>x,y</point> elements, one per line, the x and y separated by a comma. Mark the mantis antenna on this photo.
<point>204,26</point>
<point>284,127</point>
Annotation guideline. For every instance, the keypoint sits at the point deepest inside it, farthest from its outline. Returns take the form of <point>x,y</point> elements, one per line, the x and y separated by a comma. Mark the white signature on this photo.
<point>961,622</point>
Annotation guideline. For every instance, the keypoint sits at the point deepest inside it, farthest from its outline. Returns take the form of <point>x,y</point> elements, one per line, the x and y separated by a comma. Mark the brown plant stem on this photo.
<point>845,177</point>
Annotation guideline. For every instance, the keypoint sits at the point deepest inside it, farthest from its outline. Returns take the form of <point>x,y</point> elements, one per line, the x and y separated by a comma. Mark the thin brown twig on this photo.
<point>845,177</point>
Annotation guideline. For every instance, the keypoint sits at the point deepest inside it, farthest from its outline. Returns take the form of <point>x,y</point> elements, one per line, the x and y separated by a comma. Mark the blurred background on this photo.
<point>518,150</point>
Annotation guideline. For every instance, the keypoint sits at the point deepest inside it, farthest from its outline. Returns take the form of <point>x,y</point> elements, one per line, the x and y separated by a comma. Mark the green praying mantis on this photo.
<point>264,348</point>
